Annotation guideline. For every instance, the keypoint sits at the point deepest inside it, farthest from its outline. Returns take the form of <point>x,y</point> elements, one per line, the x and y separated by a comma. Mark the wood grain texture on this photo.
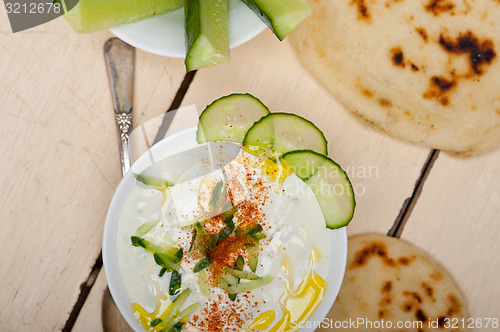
<point>456,220</point>
<point>60,163</point>
<point>383,170</point>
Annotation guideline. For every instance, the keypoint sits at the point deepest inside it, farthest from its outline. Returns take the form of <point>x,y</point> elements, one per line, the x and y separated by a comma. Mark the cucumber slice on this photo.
<point>329,183</point>
<point>173,253</point>
<point>146,227</point>
<point>229,278</point>
<point>171,315</point>
<point>285,132</point>
<point>93,15</point>
<point>242,274</point>
<point>240,263</point>
<point>204,283</point>
<point>165,262</point>
<point>207,33</point>
<point>229,118</point>
<point>250,285</point>
<point>153,181</point>
<point>281,16</point>
<point>253,255</point>
<point>202,264</point>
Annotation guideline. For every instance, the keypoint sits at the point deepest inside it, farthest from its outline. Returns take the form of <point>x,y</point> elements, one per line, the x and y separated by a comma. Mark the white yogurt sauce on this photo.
<point>292,217</point>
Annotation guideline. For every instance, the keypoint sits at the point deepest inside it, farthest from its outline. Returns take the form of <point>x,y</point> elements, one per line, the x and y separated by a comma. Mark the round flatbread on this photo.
<point>388,279</point>
<point>422,71</point>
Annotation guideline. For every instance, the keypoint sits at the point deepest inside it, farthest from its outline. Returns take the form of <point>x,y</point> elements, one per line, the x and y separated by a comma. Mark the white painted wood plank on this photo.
<point>457,221</point>
<point>60,163</point>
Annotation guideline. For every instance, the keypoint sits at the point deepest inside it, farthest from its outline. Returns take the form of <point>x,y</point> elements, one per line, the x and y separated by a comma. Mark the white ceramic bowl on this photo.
<point>338,238</point>
<point>164,34</point>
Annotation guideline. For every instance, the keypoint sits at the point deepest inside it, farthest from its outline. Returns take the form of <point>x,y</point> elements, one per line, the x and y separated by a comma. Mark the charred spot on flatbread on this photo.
<point>419,315</point>
<point>421,71</point>
<point>406,260</point>
<point>439,88</point>
<point>387,286</point>
<point>362,8</point>
<point>428,290</point>
<point>480,52</point>
<point>438,7</point>
<point>423,33</point>
<point>374,249</point>
<point>397,57</point>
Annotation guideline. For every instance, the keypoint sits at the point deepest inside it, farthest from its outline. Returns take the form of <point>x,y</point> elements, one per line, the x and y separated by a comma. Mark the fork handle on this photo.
<point>120,61</point>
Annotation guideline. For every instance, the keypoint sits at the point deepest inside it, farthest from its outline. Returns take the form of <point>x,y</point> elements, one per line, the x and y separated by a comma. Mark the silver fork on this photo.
<point>120,61</point>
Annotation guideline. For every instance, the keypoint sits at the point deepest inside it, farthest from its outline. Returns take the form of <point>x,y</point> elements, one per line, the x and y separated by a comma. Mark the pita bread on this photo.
<point>387,278</point>
<point>425,71</point>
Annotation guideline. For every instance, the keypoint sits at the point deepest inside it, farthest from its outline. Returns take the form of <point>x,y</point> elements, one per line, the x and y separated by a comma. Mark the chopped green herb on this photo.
<point>155,322</point>
<point>226,231</point>
<point>259,236</point>
<point>216,194</point>
<point>253,255</point>
<point>242,274</point>
<point>172,253</point>
<point>255,229</point>
<point>138,242</point>
<point>176,328</point>
<point>228,278</point>
<point>250,285</point>
<point>227,216</point>
<point>202,264</point>
<point>195,231</point>
<point>161,257</point>
<point>179,255</point>
<point>162,271</point>
<point>166,262</point>
<point>155,182</point>
<point>146,227</point>
<point>252,241</point>
<point>238,265</point>
<point>175,283</point>
<point>240,262</point>
<point>207,241</point>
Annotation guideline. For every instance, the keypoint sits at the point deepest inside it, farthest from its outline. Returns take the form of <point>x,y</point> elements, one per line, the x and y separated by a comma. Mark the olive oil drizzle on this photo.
<point>298,304</point>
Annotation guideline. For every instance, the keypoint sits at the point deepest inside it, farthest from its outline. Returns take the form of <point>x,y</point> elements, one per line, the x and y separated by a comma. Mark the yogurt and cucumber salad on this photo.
<point>229,233</point>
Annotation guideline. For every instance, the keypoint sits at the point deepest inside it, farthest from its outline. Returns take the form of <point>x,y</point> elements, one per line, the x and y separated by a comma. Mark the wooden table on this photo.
<point>60,167</point>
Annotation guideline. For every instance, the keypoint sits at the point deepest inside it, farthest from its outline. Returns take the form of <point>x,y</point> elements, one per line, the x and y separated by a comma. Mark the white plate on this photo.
<point>164,34</point>
<point>166,147</point>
